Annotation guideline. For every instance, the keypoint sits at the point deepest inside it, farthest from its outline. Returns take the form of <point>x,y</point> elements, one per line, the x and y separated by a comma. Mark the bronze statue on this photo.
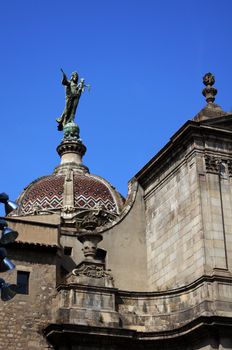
<point>73,94</point>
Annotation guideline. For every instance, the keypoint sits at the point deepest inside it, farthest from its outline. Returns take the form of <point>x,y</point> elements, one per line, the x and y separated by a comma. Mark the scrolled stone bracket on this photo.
<point>93,271</point>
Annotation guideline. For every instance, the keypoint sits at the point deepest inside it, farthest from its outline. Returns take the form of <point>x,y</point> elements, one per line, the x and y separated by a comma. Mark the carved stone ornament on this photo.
<point>209,91</point>
<point>212,164</point>
<point>68,209</point>
<point>219,166</point>
<point>71,146</point>
<point>94,271</point>
<point>94,219</point>
<point>208,79</point>
<point>229,165</point>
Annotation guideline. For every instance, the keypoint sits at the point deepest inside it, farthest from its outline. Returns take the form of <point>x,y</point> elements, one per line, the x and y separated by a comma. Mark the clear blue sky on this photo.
<point>144,60</point>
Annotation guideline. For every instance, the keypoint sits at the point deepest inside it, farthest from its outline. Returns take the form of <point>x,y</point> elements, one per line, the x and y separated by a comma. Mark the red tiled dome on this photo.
<point>89,191</point>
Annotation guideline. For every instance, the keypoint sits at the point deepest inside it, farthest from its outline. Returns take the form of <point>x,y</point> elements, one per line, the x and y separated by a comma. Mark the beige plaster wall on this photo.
<point>32,231</point>
<point>125,244</point>
<point>126,248</point>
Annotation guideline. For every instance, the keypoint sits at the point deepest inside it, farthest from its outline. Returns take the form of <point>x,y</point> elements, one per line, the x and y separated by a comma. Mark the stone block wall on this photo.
<point>216,195</point>
<point>176,309</point>
<point>24,317</point>
<point>188,200</point>
<point>174,226</point>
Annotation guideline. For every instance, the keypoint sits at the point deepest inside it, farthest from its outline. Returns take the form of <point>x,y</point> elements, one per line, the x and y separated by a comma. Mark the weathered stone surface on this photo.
<point>188,205</point>
<point>24,317</point>
<point>169,249</point>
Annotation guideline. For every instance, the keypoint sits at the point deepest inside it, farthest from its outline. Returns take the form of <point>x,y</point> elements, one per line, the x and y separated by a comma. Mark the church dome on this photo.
<point>71,191</point>
<point>88,191</point>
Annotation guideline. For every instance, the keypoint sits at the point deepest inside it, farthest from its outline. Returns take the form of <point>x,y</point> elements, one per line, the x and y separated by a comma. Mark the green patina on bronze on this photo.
<point>73,94</point>
<point>71,131</point>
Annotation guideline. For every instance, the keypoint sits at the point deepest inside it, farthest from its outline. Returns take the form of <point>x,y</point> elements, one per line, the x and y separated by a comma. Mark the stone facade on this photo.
<point>151,271</point>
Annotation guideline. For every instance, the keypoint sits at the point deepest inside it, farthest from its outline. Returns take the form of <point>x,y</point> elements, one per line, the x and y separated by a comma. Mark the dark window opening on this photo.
<point>101,255</point>
<point>68,251</point>
<point>23,282</point>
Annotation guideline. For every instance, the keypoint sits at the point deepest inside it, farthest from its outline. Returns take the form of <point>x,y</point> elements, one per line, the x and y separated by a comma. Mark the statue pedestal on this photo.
<point>92,274</point>
<point>88,297</point>
<point>71,132</point>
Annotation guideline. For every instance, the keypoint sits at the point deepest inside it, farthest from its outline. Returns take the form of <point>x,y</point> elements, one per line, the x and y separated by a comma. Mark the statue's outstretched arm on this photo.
<point>65,80</point>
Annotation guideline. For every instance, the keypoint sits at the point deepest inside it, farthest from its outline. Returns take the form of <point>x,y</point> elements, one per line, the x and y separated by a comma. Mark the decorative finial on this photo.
<point>209,91</point>
<point>73,94</point>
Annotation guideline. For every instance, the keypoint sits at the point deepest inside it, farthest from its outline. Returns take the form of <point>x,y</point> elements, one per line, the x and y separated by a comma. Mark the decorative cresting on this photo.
<point>209,91</point>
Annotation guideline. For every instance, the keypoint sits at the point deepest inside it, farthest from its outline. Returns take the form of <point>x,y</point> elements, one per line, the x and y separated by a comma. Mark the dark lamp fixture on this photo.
<point>4,197</point>
<point>9,205</point>
<point>3,254</point>
<point>3,224</point>
<point>5,263</point>
<point>8,291</point>
<point>8,236</point>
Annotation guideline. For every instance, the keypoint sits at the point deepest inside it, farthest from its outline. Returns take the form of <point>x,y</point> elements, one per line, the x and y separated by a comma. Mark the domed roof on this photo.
<point>49,193</point>
<point>71,190</point>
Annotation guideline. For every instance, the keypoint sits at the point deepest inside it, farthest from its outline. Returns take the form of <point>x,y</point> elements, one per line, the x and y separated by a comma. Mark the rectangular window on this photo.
<point>23,282</point>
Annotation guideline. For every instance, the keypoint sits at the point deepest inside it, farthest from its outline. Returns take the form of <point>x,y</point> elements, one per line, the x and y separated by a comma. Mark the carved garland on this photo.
<point>93,271</point>
<point>214,165</point>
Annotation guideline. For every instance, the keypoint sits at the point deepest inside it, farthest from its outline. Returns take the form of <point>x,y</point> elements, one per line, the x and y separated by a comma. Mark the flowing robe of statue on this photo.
<point>73,94</point>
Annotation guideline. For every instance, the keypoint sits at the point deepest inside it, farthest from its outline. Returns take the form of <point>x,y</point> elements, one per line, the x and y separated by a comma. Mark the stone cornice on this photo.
<point>39,247</point>
<point>135,339</point>
<point>71,147</point>
<point>226,278</point>
<point>189,132</point>
<point>17,219</point>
